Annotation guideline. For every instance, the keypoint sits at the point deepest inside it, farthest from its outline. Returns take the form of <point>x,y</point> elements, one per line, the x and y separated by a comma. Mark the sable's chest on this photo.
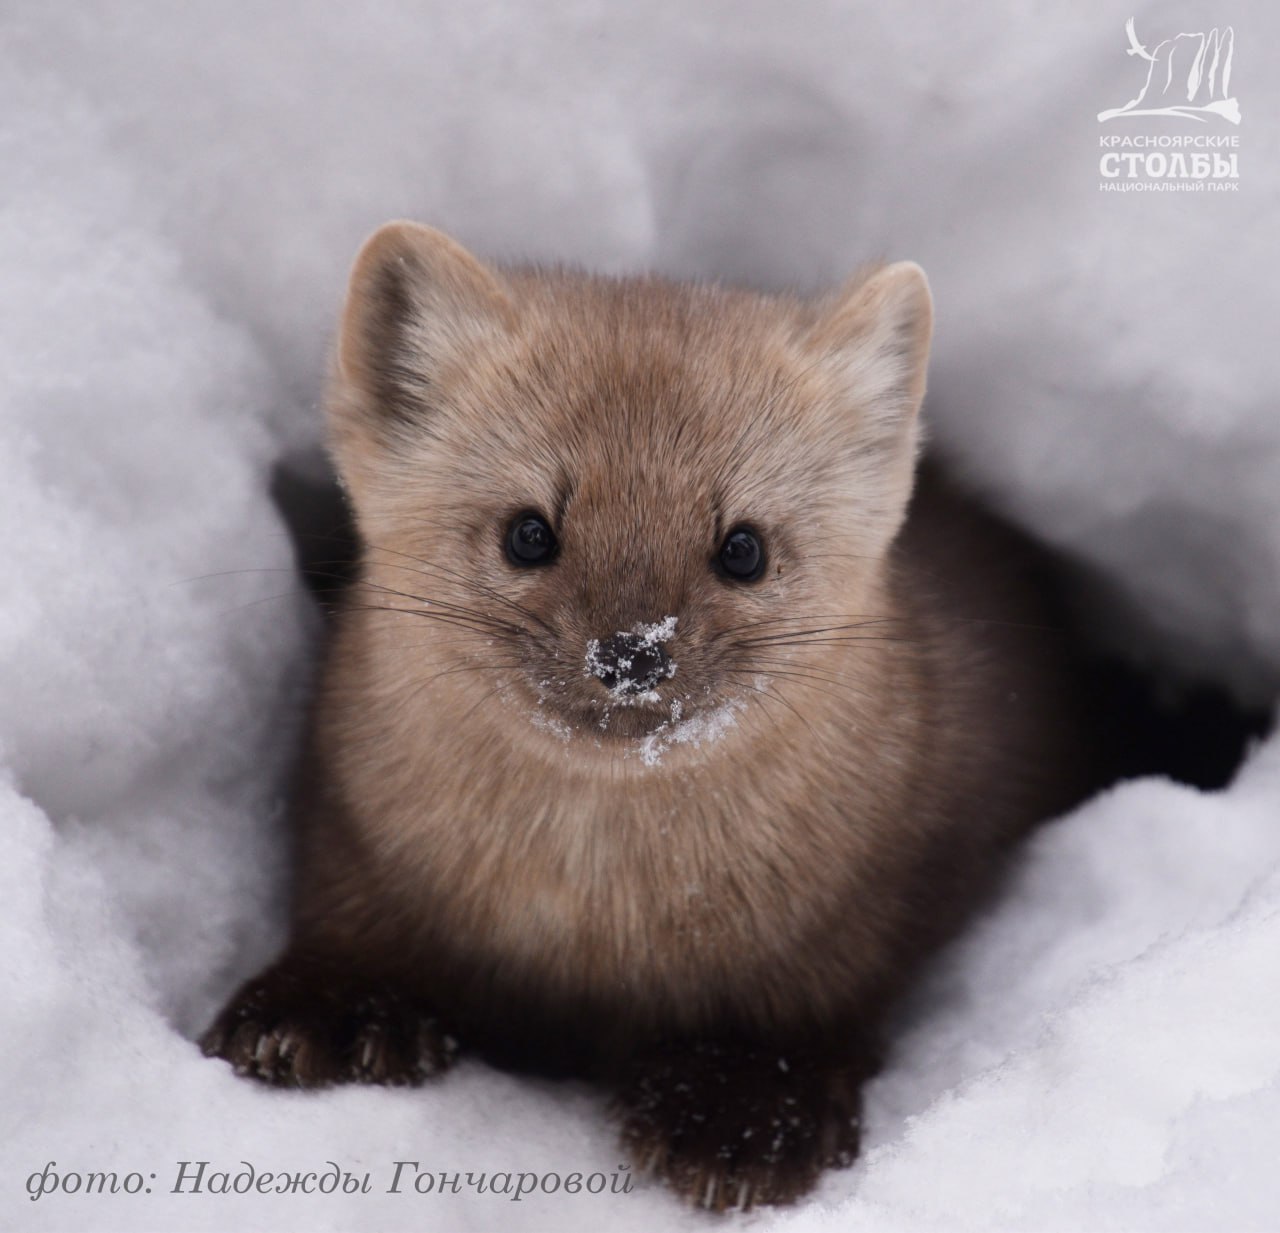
<point>656,893</point>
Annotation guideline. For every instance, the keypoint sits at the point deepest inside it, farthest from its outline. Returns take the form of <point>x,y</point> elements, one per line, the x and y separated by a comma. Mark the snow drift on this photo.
<point>182,189</point>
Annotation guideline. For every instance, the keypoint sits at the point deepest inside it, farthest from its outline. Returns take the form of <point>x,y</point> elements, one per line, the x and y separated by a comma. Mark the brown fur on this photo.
<point>491,849</point>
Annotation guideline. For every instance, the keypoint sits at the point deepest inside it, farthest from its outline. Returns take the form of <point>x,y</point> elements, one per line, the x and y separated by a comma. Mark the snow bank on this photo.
<point>182,189</point>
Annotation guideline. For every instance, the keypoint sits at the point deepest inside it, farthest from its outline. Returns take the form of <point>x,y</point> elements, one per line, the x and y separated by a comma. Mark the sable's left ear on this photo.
<point>877,330</point>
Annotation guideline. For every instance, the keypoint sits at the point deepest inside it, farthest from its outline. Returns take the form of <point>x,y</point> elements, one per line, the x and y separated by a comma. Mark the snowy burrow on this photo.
<point>184,187</point>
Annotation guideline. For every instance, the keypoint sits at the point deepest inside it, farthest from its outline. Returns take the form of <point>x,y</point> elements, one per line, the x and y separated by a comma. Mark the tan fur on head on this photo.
<point>649,419</point>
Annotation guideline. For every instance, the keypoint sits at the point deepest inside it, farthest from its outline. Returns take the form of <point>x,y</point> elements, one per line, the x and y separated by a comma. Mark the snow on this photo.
<point>630,682</point>
<point>702,728</point>
<point>183,189</point>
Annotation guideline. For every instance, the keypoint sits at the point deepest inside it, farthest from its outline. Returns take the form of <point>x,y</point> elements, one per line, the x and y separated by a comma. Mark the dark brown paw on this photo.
<point>297,1025</point>
<point>733,1126</point>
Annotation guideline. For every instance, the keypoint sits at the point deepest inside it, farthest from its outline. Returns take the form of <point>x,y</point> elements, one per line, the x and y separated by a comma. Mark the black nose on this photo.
<point>629,663</point>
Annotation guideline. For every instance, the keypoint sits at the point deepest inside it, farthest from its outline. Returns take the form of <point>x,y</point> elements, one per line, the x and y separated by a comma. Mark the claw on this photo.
<point>286,1028</point>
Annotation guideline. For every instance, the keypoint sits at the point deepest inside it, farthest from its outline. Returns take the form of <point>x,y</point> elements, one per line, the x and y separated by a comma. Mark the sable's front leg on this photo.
<point>310,1021</point>
<point>728,1124</point>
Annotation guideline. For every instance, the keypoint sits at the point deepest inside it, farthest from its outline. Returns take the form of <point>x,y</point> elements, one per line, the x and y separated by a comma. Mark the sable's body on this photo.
<point>656,899</point>
<point>496,846</point>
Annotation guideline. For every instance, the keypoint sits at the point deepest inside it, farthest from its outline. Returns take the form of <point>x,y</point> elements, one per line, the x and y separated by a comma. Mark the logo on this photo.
<point>1197,65</point>
<point>1186,77</point>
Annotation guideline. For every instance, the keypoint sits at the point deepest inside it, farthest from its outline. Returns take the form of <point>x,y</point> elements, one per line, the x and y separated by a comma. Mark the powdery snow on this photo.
<point>701,728</point>
<point>183,188</point>
<point>630,680</point>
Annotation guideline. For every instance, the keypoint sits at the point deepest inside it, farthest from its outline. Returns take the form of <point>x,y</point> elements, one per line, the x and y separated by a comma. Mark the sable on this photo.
<point>662,732</point>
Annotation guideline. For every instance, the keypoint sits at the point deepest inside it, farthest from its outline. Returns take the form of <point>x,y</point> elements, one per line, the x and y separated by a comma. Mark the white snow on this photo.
<point>657,632</point>
<point>623,691</point>
<point>701,728</point>
<point>182,189</point>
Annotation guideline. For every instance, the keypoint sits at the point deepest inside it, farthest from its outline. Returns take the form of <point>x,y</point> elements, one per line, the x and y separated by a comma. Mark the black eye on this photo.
<point>741,555</point>
<point>530,541</point>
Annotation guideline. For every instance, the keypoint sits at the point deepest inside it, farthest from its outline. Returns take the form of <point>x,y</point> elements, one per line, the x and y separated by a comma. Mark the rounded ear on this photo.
<point>872,339</point>
<point>877,331</point>
<point>415,299</point>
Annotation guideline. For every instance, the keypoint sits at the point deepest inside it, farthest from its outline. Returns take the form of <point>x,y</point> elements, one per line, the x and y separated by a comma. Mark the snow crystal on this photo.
<point>657,632</point>
<point>184,186</point>
<point>699,729</point>
<point>558,728</point>
<point>620,665</point>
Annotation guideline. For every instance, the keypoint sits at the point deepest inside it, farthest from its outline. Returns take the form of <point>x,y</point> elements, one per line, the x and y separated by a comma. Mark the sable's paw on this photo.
<point>292,1027</point>
<point>728,1126</point>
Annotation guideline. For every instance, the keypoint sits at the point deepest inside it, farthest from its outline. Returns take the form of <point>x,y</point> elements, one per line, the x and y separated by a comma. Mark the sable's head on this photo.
<point>621,504</point>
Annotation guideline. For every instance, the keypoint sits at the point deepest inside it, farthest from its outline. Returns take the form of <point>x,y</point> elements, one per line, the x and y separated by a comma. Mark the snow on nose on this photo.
<point>633,661</point>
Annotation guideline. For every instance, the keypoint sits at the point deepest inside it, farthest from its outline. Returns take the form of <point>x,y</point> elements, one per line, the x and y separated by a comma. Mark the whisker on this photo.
<point>356,582</point>
<point>445,618</point>
<point>810,616</point>
<point>459,668</point>
<point>470,582</point>
<point>433,606</point>
<point>768,693</point>
<point>799,667</point>
<point>493,693</point>
<point>346,584</point>
<point>801,637</point>
<point>262,599</point>
<point>867,640</point>
<point>804,678</point>
<point>429,602</point>
<point>231,573</point>
<point>459,644</point>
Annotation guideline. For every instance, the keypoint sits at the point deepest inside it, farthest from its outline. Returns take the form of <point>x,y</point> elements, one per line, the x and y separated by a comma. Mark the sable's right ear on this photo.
<point>878,330</point>
<point>415,301</point>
